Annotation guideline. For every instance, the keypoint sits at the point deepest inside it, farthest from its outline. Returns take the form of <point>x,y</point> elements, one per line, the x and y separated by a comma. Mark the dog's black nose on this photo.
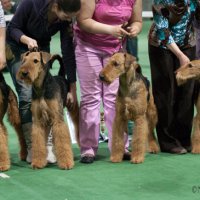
<point>24,74</point>
<point>101,76</point>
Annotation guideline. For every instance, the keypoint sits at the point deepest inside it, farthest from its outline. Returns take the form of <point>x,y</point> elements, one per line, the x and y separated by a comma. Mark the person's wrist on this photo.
<point>72,86</point>
<point>180,55</point>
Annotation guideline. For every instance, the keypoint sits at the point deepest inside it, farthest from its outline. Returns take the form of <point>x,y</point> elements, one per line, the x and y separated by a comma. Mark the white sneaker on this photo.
<point>51,158</point>
<point>29,156</point>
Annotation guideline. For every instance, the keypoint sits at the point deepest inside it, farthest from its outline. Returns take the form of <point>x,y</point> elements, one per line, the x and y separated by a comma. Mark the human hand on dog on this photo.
<point>183,59</point>
<point>30,42</point>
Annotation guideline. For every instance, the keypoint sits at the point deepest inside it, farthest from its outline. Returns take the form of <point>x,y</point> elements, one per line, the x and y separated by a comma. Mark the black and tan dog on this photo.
<point>183,74</point>
<point>9,105</point>
<point>134,102</point>
<point>48,100</point>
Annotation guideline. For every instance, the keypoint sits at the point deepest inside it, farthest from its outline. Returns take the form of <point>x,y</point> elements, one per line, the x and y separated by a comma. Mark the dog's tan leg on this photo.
<point>39,151</point>
<point>14,118</point>
<point>4,154</point>
<point>139,139</point>
<point>152,121</point>
<point>74,114</point>
<point>62,142</point>
<point>119,127</point>
<point>196,129</point>
<point>196,135</point>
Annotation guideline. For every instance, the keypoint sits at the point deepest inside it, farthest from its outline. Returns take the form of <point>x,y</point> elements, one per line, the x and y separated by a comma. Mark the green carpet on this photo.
<point>160,177</point>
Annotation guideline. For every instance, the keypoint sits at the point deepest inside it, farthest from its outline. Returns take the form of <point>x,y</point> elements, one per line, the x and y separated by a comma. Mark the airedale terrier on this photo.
<point>183,74</point>
<point>134,102</point>
<point>9,105</point>
<point>48,100</point>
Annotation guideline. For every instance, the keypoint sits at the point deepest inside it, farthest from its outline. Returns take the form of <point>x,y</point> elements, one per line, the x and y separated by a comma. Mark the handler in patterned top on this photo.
<point>172,44</point>
<point>2,39</point>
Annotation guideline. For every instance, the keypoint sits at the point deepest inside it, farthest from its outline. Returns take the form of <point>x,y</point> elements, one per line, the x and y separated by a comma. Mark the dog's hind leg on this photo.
<point>14,118</point>
<point>62,142</point>
<point>196,129</point>
<point>152,121</point>
<point>139,139</point>
<point>196,135</point>
<point>4,154</point>
<point>117,150</point>
<point>74,114</point>
<point>39,151</point>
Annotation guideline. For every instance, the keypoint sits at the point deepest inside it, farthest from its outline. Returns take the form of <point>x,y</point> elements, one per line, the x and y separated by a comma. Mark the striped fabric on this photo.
<point>2,18</point>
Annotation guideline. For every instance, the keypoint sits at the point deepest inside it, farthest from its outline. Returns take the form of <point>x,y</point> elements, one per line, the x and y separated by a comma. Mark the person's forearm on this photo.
<point>2,40</point>
<point>92,26</point>
<point>183,59</point>
<point>174,49</point>
<point>24,39</point>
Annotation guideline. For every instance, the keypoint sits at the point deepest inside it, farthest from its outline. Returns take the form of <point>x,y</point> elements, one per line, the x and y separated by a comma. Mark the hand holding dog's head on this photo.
<point>188,71</point>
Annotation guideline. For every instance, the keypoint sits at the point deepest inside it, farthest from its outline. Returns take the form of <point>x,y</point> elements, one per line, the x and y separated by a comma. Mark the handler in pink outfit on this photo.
<point>98,35</point>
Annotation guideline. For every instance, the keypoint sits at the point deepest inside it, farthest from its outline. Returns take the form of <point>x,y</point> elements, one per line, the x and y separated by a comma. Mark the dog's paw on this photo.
<point>38,164</point>
<point>4,167</point>
<point>68,165</point>
<point>153,148</point>
<point>116,159</point>
<point>137,159</point>
<point>195,150</point>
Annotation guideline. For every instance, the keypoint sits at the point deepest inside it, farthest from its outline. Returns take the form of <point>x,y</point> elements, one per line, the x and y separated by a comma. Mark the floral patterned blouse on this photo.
<point>173,22</point>
<point>2,19</point>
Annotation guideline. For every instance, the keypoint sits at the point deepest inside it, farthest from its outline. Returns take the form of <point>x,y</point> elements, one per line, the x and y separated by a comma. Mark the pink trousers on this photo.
<point>90,62</point>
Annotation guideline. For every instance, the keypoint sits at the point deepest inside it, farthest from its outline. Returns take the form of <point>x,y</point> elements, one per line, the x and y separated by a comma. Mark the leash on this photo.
<point>124,38</point>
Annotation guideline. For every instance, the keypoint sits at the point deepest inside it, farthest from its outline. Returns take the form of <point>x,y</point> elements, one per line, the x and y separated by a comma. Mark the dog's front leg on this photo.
<point>139,139</point>
<point>117,149</point>
<point>196,135</point>
<point>62,141</point>
<point>39,151</point>
<point>152,119</point>
<point>4,155</point>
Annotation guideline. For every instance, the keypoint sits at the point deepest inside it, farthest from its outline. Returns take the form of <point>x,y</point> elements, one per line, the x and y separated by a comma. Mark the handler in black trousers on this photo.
<point>172,44</point>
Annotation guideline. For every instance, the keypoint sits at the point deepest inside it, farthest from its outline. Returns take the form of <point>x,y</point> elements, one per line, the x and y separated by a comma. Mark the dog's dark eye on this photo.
<point>115,63</point>
<point>35,61</point>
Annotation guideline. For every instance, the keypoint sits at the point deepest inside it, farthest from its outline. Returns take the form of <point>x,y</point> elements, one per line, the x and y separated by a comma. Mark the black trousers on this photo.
<point>175,104</point>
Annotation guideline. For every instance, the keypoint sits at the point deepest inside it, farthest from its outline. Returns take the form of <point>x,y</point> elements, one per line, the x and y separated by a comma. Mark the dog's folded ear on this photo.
<point>138,68</point>
<point>129,59</point>
<point>45,56</point>
<point>23,55</point>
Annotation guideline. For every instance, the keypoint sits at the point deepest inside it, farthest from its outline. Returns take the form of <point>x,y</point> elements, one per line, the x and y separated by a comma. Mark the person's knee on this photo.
<point>25,112</point>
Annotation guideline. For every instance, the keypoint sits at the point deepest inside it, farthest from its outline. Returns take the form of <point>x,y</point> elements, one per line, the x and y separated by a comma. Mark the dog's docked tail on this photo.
<point>61,71</point>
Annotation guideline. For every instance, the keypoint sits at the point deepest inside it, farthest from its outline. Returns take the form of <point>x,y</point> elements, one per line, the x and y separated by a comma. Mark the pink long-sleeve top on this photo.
<point>111,12</point>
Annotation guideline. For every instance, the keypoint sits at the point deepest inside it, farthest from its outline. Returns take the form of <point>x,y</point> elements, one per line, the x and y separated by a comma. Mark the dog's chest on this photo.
<point>133,102</point>
<point>41,111</point>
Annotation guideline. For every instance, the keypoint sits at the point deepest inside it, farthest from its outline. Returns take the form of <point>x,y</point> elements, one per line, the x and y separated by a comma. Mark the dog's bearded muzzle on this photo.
<point>104,79</point>
<point>24,75</point>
